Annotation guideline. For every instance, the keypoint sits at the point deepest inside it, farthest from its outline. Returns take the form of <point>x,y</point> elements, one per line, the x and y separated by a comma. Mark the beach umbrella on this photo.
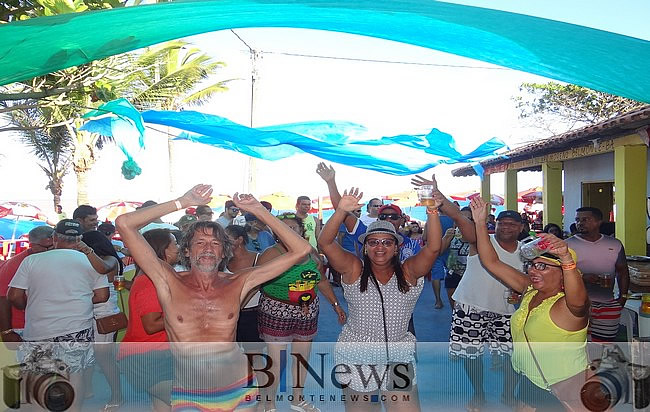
<point>407,198</point>
<point>21,209</point>
<point>4,211</point>
<point>112,210</point>
<point>495,200</point>
<point>218,201</point>
<point>321,203</point>
<point>280,201</point>
<point>532,195</point>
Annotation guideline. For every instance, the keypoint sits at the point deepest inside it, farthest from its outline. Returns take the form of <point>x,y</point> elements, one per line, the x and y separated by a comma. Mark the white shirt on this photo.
<point>367,220</point>
<point>59,284</point>
<point>480,289</point>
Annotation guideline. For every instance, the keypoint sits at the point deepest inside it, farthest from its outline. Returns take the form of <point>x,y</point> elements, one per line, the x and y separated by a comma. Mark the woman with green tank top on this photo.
<point>549,330</point>
<point>288,312</point>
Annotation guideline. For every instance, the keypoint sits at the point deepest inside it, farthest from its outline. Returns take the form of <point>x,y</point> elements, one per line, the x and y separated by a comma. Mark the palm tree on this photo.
<point>52,146</point>
<point>170,76</point>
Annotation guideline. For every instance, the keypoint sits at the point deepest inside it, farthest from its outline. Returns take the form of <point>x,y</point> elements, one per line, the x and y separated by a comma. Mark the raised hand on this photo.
<point>198,195</point>
<point>326,173</point>
<point>247,203</point>
<point>479,209</point>
<point>350,200</point>
<point>437,200</point>
<point>557,246</point>
<point>418,181</point>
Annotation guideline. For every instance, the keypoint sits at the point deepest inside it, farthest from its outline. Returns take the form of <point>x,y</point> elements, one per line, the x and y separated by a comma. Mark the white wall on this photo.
<point>599,168</point>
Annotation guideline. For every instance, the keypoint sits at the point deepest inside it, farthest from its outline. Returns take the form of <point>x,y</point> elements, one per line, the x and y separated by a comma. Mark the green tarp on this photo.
<point>600,60</point>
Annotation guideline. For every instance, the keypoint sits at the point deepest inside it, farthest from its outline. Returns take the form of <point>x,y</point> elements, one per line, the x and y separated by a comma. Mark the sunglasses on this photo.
<point>376,242</point>
<point>287,216</point>
<point>384,216</point>
<point>234,209</point>
<point>538,265</point>
<point>357,211</point>
<point>376,205</point>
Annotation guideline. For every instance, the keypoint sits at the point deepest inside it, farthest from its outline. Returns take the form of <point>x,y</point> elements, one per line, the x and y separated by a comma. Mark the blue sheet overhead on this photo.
<point>341,142</point>
<point>597,59</point>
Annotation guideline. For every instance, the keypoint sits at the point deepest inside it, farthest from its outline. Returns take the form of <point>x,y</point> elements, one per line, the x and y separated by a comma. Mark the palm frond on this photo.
<point>204,95</point>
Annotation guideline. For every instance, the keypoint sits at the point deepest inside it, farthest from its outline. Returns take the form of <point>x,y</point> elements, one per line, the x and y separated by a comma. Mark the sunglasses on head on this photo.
<point>375,242</point>
<point>538,265</point>
<point>391,216</point>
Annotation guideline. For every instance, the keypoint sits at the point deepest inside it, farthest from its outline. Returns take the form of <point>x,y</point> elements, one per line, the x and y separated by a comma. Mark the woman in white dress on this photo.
<point>381,294</point>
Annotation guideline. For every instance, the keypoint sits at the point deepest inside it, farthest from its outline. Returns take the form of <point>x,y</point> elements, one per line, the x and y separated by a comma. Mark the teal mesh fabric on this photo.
<point>597,59</point>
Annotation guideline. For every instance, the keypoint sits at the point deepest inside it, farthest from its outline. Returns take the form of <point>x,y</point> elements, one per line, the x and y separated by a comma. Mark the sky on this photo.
<point>468,99</point>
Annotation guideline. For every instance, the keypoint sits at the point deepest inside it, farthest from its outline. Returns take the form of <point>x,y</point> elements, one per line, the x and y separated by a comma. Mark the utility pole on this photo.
<point>250,176</point>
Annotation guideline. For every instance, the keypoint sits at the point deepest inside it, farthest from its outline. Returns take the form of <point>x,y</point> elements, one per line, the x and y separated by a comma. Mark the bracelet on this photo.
<point>87,254</point>
<point>178,204</point>
<point>435,212</point>
<point>6,332</point>
<point>569,266</point>
<point>335,304</point>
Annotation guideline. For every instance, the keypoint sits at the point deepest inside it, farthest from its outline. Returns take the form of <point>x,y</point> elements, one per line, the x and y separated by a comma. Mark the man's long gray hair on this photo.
<point>217,232</point>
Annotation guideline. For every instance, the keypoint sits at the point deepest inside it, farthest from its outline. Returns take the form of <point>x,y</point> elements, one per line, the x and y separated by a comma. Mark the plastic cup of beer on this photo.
<point>512,297</point>
<point>425,195</point>
<point>118,282</point>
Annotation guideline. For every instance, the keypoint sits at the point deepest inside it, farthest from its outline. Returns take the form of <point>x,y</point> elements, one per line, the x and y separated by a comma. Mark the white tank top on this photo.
<point>480,289</point>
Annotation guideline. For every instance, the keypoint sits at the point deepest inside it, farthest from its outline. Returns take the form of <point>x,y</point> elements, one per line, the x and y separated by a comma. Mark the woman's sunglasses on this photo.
<point>376,242</point>
<point>538,265</point>
<point>384,216</point>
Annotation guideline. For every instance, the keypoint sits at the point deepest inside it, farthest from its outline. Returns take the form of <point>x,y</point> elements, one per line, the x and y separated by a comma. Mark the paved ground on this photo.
<point>442,383</point>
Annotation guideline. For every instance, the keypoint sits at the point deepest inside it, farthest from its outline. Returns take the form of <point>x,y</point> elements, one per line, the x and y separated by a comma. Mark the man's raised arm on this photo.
<point>297,247</point>
<point>129,223</point>
<point>328,174</point>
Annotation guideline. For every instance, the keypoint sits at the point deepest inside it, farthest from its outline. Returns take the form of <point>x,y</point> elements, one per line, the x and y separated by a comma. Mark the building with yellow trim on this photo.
<point>604,165</point>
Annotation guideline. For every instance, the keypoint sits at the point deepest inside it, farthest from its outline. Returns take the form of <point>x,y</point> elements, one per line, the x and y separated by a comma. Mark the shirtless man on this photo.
<point>202,304</point>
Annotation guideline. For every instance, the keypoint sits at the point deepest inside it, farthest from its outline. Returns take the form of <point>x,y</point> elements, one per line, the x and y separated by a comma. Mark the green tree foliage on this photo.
<point>561,107</point>
<point>52,146</point>
<point>166,76</point>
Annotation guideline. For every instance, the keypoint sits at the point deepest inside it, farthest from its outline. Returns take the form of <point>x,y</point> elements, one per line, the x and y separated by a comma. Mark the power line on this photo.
<point>315,56</point>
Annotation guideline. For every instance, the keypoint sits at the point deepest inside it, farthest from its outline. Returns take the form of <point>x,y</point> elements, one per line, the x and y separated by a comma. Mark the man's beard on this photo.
<point>205,267</point>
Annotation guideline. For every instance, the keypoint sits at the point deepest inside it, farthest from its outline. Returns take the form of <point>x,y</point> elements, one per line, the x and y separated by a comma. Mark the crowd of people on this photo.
<point>205,288</point>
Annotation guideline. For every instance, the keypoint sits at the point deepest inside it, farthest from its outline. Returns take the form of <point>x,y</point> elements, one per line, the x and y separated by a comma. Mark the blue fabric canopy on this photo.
<point>574,54</point>
<point>341,142</point>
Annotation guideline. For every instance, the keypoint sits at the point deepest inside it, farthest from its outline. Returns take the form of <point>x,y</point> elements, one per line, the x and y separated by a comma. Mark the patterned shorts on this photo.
<point>75,349</point>
<point>472,328</point>
<point>282,322</point>
<point>604,320</point>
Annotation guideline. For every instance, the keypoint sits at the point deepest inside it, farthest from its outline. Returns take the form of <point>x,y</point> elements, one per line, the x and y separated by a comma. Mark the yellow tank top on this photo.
<point>559,352</point>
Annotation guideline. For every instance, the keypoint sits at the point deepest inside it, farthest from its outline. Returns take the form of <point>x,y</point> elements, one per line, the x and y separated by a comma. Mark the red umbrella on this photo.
<point>532,195</point>
<point>4,211</point>
<point>20,209</point>
<point>496,200</point>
